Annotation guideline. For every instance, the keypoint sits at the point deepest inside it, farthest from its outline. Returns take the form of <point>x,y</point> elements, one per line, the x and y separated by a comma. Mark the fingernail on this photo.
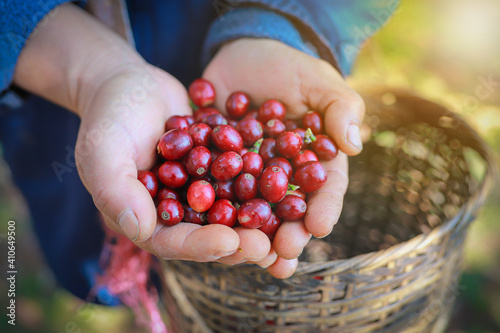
<point>221,254</point>
<point>354,137</point>
<point>129,224</point>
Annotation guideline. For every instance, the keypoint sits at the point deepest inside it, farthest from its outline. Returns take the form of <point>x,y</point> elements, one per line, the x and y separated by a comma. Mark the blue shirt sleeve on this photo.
<point>333,30</point>
<point>18,20</point>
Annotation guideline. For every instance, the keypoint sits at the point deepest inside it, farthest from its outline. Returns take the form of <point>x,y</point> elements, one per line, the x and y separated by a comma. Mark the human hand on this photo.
<point>123,104</point>
<point>267,69</point>
<point>121,123</point>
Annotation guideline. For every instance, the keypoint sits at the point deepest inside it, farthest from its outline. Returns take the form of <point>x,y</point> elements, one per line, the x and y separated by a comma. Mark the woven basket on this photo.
<point>393,261</point>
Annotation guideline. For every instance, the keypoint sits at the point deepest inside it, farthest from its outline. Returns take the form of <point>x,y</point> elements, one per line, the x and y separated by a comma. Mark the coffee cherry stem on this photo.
<point>256,146</point>
<point>193,106</point>
<point>292,187</point>
<point>309,136</point>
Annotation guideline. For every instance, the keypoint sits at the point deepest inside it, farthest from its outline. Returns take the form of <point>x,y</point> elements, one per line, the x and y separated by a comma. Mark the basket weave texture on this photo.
<point>393,261</point>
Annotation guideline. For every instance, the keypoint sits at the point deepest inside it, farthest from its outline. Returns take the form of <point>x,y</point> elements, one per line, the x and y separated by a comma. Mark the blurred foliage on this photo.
<point>442,50</point>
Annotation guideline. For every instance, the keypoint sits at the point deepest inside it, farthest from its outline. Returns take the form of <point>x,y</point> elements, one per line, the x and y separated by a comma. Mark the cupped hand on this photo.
<point>123,116</point>
<point>267,69</point>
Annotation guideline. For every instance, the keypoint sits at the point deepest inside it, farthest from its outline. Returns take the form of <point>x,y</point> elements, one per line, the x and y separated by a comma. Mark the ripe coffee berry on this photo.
<point>246,187</point>
<point>291,208</point>
<point>282,163</point>
<point>175,144</point>
<point>252,164</point>
<point>274,127</point>
<point>167,193</point>
<point>170,212</point>
<point>201,114</point>
<point>314,121</point>
<point>202,93</point>
<point>237,104</point>
<point>226,138</point>
<point>271,109</point>
<point>268,149</point>
<point>177,122</point>
<point>273,184</point>
<point>250,131</point>
<point>148,179</point>
<point>288,144</point>
<point>200,196</point>
<point>310,176</point>
<point>254,213</point>
<point>271,226</point>
<point>201,134</point>
<point>224,189</point>
<point>222,212</point>
<point>198,161</point>
<point>324,147</point>
<point>193,216</point>
<point>215,120</point>
<point>290,124</point>
<point>303,157</point>
<point>173,174</point>
<point>227,166</point>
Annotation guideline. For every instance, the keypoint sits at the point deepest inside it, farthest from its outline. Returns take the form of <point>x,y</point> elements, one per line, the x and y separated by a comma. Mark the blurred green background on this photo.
<point>443,50</point>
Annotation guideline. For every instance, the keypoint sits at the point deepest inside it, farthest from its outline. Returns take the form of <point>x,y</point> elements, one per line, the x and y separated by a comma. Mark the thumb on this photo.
<point>325,91</point>
<point>110,176</point>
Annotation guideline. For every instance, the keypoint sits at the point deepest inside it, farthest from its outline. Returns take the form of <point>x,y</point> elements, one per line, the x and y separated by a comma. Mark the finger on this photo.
<point>254,246</point>
<point>187,241</point>
<point>290,239</point>
<point>283,268</point>
<point>267,261</point>
<point>110,176</point>
<point>324,206</point>
<point>327,92</point>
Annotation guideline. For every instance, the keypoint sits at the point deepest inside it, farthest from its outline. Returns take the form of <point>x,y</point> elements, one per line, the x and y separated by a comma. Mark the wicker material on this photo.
<point>393,261</point>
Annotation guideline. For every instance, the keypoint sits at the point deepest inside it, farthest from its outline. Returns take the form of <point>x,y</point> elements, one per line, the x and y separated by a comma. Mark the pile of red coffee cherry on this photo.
<point>249,168</point>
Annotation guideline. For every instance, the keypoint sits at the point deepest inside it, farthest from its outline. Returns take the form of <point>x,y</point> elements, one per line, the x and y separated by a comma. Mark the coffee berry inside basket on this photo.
<point>248,168</point>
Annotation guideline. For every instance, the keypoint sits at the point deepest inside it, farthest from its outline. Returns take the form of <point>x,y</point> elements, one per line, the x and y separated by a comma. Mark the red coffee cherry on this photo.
<point>202,93</point>
<point>303,157</point>
<point>289,144</point>
<point>227,166</point>
<point>314,121</point>
<point>173,174</point>
<point>254,213</point>
<point>246,187</point>
<point>324,147</point>
<point>291,208</point>
<point>222,212</point>
<point>201,134</point>
<point>149,180</point>
<point>226,138</point>
<point>310,176</point>
<point>271,109</point>
<point>170,212</point>
<point>175,144</point>
<point>250,131</point>
<point>237,104</point>
<point>198,161</point>
<point>271,226</point>
<point>273,184</point>
<point>252,164</point>
<point>200,196</point>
